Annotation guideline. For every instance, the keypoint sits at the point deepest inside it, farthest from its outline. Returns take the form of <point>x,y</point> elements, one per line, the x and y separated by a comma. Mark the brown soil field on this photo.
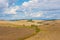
<point>9,30</point>
<point>13,33</point>
<point>49,30</point>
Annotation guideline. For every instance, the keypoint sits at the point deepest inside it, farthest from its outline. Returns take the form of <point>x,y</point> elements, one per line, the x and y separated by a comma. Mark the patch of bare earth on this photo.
<point>13,33</point>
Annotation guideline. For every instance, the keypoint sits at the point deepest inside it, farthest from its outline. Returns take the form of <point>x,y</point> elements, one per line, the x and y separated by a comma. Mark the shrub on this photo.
<point>51,20</point>
<point>30,20</point>
<point>35,27</point>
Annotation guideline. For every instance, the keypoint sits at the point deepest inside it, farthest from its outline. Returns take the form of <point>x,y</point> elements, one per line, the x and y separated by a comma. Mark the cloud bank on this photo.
<point>31,9</point>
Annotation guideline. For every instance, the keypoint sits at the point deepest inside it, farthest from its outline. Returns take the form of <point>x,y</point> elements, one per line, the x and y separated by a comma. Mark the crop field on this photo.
<point>50,30</point>
<point>30,30</point>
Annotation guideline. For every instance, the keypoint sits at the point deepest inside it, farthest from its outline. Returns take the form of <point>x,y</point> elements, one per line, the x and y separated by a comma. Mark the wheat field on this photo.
<point>26,30</point>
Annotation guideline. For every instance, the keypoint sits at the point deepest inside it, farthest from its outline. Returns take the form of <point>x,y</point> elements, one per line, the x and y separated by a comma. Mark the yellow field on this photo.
<point>49,29</point>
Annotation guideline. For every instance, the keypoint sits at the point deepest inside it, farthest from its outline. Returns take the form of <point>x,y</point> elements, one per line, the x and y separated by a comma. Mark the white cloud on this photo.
<point>41,5</point>
<point>38,14</point>
<point>11,10</point>
<point>27,7</point>
<point>27,4</point>
<point>3,3</point>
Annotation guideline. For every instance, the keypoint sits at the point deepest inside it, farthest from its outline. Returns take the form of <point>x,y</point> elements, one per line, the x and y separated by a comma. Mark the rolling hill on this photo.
<point>30,30</point>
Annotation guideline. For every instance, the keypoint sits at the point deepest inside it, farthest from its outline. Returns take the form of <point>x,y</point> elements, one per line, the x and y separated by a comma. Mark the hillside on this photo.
<point>28,30</point>
<point>50,30</point>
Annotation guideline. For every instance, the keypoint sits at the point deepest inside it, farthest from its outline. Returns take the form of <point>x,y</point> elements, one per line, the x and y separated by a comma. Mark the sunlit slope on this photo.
<point>7,24</point>
<point>50,30</point>
<point>13,30</point>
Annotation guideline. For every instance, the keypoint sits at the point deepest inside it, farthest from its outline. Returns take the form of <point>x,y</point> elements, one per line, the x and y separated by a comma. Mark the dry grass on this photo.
<point>13,30</point>
<point>47,30</point>
<point>50,30</point>
<point>13,33</point>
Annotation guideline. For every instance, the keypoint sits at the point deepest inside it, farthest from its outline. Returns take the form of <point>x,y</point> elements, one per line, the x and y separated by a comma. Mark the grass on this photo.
<point>35,27</point>
<point>30,20</point>
<point>47,26</point>
<point>25,27</point>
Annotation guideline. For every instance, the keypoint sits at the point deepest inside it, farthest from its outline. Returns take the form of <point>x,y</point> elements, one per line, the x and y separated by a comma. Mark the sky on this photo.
<point>29,9</point>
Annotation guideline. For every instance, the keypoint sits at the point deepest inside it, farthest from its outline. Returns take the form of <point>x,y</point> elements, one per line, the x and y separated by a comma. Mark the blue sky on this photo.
<point>29,9</point>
